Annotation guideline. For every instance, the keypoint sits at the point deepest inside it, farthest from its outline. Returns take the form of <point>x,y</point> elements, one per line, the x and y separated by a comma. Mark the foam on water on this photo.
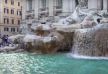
<point>76,56</point>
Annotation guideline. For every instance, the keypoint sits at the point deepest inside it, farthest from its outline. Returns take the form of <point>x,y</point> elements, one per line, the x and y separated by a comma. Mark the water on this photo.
<point>27,63</point>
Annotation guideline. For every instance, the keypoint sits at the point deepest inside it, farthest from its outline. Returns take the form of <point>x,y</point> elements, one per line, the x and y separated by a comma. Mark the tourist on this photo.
<point>7,40</point>
<point>3,40</point>
<point>98,20</point>
<point>0,42</point>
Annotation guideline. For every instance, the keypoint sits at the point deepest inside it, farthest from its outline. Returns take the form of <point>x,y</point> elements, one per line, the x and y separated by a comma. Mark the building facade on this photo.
<point>45,8</point>
<point>42,8</point>
<point>35,9</point>
<point>10,16</point>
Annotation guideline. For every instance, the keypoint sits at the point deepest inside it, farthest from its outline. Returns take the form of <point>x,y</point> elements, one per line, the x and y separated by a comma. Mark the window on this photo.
<point>43,3</point>
<point>12,21</point>
<point>4,20</point>
<point>6,29</point>
<point>12,29</point>
<point>20,13</point>
<point>18,3</point>
<point>6,1</point>
<point>12,2</point>
<point>17,12</point>
<point>4,10</point>
<point>18,22</point>
<point>7,21</point>
<point>12,11</point>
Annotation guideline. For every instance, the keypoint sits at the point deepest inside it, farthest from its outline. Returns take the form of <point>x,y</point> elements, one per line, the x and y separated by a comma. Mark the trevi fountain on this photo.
<point>77,44</point>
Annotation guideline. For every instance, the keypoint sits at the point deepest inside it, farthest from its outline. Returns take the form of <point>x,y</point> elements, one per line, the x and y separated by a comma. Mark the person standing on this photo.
<point>6,40</point>
<point>0,41</point>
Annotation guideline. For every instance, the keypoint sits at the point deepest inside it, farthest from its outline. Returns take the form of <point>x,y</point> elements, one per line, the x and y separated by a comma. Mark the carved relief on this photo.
<point>83,3</point>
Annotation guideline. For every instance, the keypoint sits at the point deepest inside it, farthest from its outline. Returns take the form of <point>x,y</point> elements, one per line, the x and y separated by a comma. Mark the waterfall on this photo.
<point>91,41</point>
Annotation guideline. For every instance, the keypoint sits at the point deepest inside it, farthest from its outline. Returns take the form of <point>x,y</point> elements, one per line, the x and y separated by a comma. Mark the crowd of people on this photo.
<point>4,40</point>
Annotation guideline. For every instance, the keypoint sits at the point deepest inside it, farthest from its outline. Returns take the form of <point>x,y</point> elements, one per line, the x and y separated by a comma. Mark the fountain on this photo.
<point>47,38</point>
<point>85,35</point>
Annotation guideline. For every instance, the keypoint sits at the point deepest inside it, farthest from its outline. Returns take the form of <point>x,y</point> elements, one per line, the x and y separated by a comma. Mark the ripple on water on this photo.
<point>26,63</point>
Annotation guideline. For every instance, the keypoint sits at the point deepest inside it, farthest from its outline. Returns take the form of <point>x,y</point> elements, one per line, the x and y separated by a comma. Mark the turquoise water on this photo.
<point>18,63</point>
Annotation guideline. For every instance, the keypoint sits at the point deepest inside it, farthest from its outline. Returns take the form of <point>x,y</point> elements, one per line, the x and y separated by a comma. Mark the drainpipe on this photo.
<point>21,9</point>
<point>107,5</point>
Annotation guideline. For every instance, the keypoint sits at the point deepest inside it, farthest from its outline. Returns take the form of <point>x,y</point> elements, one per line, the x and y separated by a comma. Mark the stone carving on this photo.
<point>83,3</point>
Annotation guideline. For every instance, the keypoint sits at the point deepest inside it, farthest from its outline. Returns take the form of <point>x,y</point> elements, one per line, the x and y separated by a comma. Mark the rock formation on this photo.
<point>92,41</point>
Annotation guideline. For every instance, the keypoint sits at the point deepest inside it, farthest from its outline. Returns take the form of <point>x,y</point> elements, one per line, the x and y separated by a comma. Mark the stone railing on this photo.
<point>43,9</point>
<point>30,14</point>
<point>58,8</point>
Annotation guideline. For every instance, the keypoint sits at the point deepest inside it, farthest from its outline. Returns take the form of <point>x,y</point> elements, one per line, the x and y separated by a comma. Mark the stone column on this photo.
<point>51,7</point>
<point>36,7</point>
<point>105,5</point>
<point>72,5</point>
<point>24,9</point>
<point>68,6</point>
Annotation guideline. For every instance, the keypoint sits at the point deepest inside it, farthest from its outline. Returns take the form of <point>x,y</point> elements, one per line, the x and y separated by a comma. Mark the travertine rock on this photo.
<point>62,41</point>
<point>91,42</point>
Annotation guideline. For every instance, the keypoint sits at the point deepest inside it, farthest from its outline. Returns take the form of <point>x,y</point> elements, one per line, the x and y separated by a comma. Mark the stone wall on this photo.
<point>62,44</point>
